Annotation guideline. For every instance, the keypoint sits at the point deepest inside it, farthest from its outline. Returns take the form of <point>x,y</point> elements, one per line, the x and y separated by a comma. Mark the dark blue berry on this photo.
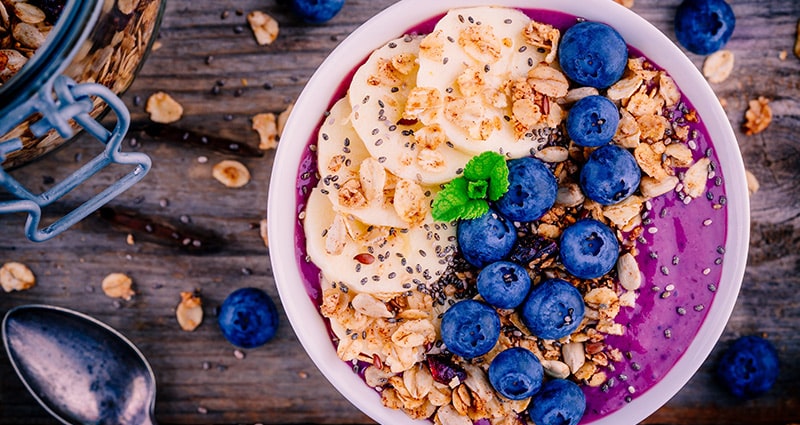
<point>532,189</point>
<point>749,367</point>
<point>592,121</point>
<point>504,284</point>
<point>316,11</point>
<point>553,309</point>
<point>470,328</point>
<point>486,239</point>
<point>589,249</point>
<point>559,402</point>
<point>516,373</point>
<point>704,26</point>
<point>610,175</point>
<point>593,54</point>
<point>248,318</point>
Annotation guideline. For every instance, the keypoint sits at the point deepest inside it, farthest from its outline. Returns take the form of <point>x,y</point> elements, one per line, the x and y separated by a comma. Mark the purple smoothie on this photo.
<point>680,254</point>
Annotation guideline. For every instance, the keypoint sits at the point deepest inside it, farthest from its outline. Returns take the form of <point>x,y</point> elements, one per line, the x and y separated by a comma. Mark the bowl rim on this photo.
<point>394,21</point>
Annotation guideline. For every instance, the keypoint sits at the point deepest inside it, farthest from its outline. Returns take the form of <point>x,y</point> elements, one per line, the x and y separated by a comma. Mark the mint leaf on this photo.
<point>450,201</point>
<point>491,167</point>
<point>453,202</point>
<point>474,208</point>
<point>477,189</point>
<point>485,177</point>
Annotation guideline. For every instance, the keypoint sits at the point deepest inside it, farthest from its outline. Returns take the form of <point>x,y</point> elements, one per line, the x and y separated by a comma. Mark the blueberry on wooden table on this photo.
<point>610,175</point>
<point>486,239</point>
<point>532,190</point>
<point>593,54</point>
<point>503,284</point>
<point>248,318</point>
<point>559,402</point>
<point>470,328</point>
<point>316,11</point>
<point>553,309</point>
<point>589,249</point>
<point>516,373</point>
<point>749,367</point>
<point>704,26</point>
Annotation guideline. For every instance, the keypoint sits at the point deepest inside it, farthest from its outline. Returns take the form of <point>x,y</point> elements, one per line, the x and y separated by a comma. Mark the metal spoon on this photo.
<point>79,369</point>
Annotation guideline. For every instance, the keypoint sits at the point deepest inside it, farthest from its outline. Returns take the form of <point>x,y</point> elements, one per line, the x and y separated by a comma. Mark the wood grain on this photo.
<point>199,379</point>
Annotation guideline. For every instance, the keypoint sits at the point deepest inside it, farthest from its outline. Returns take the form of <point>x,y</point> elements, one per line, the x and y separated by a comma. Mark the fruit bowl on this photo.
<point>691,254</point>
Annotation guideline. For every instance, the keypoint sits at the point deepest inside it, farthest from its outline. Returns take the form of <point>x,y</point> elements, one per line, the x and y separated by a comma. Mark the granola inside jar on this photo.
<point>96,41</point>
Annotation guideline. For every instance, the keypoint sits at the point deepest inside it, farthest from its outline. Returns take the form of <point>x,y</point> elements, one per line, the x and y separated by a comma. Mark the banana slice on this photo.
<point>374,259</point>
<point>355,183</point>
<point>473,57</point>
<point>380,93</point>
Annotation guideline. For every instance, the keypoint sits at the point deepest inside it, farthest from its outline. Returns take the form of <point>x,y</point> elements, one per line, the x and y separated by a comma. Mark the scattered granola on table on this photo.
<point>118,285</point>
<point>265,27</point>
<point>16,276</point>
<point>266,125</point>
<point>163,108</point>
<point>189,311</point>
<point>718,66</point>
<point>231,173</point>
<point>757,117</point>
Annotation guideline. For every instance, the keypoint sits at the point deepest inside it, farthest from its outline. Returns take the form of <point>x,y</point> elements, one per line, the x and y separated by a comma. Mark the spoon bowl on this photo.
<point>79,369</point>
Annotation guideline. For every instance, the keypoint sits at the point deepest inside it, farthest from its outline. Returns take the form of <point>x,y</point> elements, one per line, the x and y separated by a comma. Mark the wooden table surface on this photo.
<point>200,380</point>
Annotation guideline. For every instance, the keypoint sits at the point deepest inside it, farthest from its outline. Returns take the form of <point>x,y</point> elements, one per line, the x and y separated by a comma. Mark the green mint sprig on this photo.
<point>485,179</point>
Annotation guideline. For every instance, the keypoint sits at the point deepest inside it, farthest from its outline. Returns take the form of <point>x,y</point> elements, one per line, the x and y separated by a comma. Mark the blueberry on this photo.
<point>316,11</point>
<point>592,121</point>
<point>593,54</point>
<point>589,249</point>
<point>610,175</point>
<point>516,373</point>
<point>749,367</point>
<point>486,239</point>
<point>503,284</point>
<point>532,189</point>
<point>248,318</point>
<point>704,26</point>
<point>470,328</point>
<point>553,309</point>
<point>559,402</point>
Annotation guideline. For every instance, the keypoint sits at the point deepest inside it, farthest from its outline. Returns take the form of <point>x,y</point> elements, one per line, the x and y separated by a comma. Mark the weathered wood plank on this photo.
<point>278,383</point>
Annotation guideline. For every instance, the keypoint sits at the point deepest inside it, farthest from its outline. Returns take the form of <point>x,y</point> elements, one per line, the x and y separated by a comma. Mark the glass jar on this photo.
<point>89,57</point>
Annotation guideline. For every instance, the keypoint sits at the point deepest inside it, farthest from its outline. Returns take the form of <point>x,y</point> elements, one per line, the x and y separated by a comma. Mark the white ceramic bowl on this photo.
<point>394,22</point>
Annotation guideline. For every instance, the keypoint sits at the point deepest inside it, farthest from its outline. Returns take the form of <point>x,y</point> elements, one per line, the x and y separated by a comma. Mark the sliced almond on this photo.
<point>556,369</point>
<point>652,188</point>
<point>266,126</point>
<point>163,108</point>
<point>265,27</point>
<point>628,270</point>
<point>118,285</point>
<point>16,277</point>
<point>752,182</point>
<point>127,6</point>
<point>28,13</point>
<point>718,66</point>
<point>696,177</point>
<point>574,356</point>
<point>283,117</point>
<point>231,173</point>
<point>190,311</point>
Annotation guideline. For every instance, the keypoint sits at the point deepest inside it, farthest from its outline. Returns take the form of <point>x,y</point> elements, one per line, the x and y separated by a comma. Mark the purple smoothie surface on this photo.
<point>680,254</point>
